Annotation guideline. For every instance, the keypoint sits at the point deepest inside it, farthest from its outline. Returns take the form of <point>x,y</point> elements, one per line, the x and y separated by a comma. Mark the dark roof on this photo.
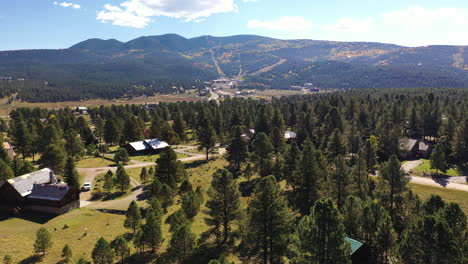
<point>423,146</point>
<point>54,192</point>
<point>355,245</point>
<point>24,183</point>
<point>408,143</point>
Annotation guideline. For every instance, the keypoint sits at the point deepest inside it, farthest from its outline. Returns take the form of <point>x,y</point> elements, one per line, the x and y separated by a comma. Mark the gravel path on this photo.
<point>456,183</point>
<point>90,173</point>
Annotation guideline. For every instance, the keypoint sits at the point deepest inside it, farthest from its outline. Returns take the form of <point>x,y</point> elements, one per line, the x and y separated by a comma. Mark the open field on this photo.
<point>94,162</point>
<point>448,195</point>
<point>17,235</point>
<point>5,108</point>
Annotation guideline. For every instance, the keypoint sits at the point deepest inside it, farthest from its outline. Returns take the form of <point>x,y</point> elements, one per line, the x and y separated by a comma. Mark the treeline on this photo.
<point>59,91</point>
<point>306,194</point>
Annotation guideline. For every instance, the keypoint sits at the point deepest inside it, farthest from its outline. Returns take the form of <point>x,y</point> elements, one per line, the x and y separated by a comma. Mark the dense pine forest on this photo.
<point>278,200</point>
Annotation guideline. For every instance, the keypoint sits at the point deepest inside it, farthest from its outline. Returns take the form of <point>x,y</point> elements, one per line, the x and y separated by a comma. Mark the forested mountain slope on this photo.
<point>169,58</point>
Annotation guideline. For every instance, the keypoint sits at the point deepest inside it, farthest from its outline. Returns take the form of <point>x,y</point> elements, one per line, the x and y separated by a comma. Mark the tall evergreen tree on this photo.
<point>22,139</point>
<point>321,235</point>
<point>109,181</point>
<point>102,252</point>
<point>43,241</point>
<point>438,159</point>
<point>70,175</point>
<point>223,206</point>
<point>460,142</point>
<point>393,183</point>
<point>180,126</point>
<point>121,248</point>
<point>268,226</point>
<point>121,178</point>
<point>73,144</point>
<point>237,150</point>
<point>262,152</point>
<point>206,137</point>
<point>182,243</point>
<point>132,217</point>
<point>340,179</point>
<point>112,132</point>
<point>54,157</point>
<point>167,166</point>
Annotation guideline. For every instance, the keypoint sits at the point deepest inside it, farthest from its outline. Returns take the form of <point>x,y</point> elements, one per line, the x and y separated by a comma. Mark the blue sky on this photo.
<point>27,24</point>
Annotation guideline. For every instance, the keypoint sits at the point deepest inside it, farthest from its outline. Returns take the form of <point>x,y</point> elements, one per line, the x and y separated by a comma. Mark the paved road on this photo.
<point>439,182</point>
<point>91,173</point>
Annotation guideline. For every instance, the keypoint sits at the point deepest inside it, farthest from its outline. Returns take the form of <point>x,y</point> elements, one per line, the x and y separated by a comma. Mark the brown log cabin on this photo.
<point>37,191</point>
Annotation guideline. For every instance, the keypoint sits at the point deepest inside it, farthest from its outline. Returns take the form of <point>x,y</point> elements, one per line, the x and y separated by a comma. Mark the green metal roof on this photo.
<point>355,245</point>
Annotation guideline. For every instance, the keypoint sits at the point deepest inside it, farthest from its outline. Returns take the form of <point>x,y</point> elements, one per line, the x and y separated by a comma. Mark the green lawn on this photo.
<point>94,162</point>
<point>153,158</point>
<point>425,169</point>
<point>448,195</point>
<point>17,235</point>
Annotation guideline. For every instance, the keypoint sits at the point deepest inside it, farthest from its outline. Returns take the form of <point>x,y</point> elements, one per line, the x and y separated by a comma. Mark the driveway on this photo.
<point>90,174</point>
<point>455,183</point>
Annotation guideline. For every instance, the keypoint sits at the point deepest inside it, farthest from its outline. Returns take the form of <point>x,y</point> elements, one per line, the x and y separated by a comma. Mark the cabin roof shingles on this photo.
<point>24,184</point>
<point>54,192</point>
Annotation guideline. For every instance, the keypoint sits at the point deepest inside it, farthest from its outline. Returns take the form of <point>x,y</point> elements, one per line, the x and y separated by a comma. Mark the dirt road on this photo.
<point>90,174</point>
<point>438,182</point>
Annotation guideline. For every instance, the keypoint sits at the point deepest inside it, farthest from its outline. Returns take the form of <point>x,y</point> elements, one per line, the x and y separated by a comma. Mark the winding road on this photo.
<point>89,174</point>
<point>448,183</point>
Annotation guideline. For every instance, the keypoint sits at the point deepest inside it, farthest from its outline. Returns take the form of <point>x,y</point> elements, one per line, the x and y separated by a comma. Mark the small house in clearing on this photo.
<point>414,148</point>
<point>37,191</point>
<point>147,146</point>
<point>9,150</point>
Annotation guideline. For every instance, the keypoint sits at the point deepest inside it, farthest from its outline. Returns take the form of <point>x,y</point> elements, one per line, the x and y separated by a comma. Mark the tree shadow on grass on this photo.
<point>112,196</point>
<point>246,188</point>
<point>195,163</point>
<point>31,260</point>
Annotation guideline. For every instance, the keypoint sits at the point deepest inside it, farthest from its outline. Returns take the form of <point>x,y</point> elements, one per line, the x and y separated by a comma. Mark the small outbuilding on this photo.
<point>147,146</point>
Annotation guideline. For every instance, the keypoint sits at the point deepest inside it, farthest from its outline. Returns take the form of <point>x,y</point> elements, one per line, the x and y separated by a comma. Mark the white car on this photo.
<point>86,186</point>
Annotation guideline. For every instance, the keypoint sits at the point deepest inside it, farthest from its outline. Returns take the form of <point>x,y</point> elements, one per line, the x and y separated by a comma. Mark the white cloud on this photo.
<point>350,25</point>
<point>66,4</point>
<point>415,16</point>
<point>285,23</point>
<point>138,13</point>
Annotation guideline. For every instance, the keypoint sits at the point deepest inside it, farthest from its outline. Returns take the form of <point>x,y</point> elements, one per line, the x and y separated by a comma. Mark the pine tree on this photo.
<point>144,175</point>
<point>206,137</point>
<point>121,156</point>
<point>121,248</point>
<point>223,206</point>
<point>122,179</point>
<point>182,243</point>
<point>352,216</point>
<point>112,132</point>
<point>438,159</point>
<point>262,152</point>
<point>292,159</point>
<point>70,175</point>
<point>393,183</point>
<point>336,145</point>
<point>277,138</point>
<point>340,178</point>
<point>166,194</point>
<point>166,167</point>
<point>132,217</point>
<point>370,153</point>
<point>430,241</point>
<point>460,143</point>
<point>237,150</point>
<point>99,125</point>
<point>54,157</point>
<point>267,240</point>
<point>5,171</point>
<point>191,204</point>
<point>180,126</point>
<point>43,241</point>
<point>307,177</point>
<point>320,236</point>
<point>66,253</point>
<point>108,181</point>
<point>73,144</point>
<point>152,232</point>
<point>102,252</point>
<point>22,139</point>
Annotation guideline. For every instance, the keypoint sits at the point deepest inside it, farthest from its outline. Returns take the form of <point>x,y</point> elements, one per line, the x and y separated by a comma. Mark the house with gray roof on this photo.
<point>37,191</point>
<point>147,146</point>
